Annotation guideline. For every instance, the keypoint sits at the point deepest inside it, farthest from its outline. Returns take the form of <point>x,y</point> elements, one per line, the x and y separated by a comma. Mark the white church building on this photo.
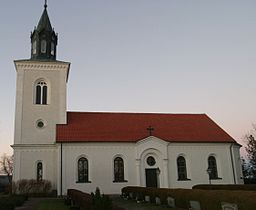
<point>85,150</point>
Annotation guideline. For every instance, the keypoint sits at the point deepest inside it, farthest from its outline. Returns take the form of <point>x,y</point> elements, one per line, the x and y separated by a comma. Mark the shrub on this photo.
<point>100,202</point>
<point>10,202</point>
<point>18,200</point>
<point>22,186</point>
<point>32,187</point>
<point>14,188</point>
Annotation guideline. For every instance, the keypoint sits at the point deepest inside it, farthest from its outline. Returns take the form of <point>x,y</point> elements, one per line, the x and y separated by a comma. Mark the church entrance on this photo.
<point>151,177</point>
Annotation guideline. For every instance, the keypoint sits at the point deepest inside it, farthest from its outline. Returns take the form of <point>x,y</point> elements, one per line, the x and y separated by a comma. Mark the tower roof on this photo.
<point>44,22</point>
<point>43,39</point>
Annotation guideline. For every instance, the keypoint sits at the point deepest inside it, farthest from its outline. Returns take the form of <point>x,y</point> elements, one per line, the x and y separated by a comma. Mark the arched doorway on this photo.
<point>151,172</point>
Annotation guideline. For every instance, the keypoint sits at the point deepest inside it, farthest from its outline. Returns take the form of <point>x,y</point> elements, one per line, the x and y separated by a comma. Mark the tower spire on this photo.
<point>45,4</point>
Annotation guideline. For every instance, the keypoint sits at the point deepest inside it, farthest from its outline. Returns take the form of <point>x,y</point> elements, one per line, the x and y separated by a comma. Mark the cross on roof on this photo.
<point>150,130</point>
<point>45,3</point>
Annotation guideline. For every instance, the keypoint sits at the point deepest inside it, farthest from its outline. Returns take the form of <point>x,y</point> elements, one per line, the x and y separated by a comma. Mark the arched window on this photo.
<point>41,92</point>
<point>118,169</point>
<point>43,46</point>
<point>82,170</point>
<point>39,171</point>
<point>212,167</point>
<point>181,167</point>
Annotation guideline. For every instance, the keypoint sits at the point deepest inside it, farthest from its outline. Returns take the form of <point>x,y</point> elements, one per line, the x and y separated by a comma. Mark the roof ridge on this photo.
<point>123,112</point>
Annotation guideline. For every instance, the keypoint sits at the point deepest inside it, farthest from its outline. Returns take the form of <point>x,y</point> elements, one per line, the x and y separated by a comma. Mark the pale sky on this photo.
<point>170,56</point>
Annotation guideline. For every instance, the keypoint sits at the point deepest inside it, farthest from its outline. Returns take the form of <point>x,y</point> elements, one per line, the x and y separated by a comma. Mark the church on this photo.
<point>109,150</point>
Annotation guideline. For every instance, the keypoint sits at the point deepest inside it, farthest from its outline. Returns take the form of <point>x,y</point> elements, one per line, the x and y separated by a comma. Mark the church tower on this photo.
<point>40,105</point>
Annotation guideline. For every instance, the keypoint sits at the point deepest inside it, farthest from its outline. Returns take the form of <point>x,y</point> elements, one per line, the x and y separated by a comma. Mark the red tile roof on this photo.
<point>132,127</point>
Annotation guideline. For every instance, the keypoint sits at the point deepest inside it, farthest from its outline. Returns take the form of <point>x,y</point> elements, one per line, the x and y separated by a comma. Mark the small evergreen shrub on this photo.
<point>100,202</point>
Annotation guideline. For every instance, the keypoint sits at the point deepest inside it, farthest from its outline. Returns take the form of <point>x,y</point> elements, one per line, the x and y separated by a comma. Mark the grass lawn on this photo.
<point>58,204</point>
<point>133,205</point>
<point>52,204</point>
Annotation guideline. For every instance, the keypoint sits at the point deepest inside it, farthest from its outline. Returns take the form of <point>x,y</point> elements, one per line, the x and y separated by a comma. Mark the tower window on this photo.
<point>41,93</point>
<point>43,46</point>
<point>52,48</point>
<point>34,47</point>
<point>39,171</point>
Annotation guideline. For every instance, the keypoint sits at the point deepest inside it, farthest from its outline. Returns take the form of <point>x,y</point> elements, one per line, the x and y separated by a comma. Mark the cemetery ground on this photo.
<point>58,204</point>
<point>133,205</point>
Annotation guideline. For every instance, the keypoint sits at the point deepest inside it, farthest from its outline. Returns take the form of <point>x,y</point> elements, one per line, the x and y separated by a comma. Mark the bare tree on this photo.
<point>6,166</point>
<point>251,149</point>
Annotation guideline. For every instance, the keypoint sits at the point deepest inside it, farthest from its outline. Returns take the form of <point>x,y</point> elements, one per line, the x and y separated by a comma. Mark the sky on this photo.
<point>162,56</point>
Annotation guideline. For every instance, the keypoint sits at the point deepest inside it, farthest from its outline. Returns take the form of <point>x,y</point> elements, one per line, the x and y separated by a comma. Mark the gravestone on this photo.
<point>131,195</point>
<point>228,206</point>
<point>158,201</point>
<point>147,198</point>
<point>195,205</point>
<point>171,202</point>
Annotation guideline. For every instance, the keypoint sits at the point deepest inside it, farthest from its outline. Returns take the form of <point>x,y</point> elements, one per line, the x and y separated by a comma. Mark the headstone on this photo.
<point>171,202</point>
<point>195,205</point>
<point>229,206</point>
<point>131,195</point>
<point>158,201</point>
<point>147,198</point>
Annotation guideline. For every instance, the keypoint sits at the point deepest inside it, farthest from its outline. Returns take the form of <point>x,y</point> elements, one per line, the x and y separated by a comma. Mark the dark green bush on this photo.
<point>74,208</point>
<point>10,202</point>
<point>18,200</point>
<point>6,204</point>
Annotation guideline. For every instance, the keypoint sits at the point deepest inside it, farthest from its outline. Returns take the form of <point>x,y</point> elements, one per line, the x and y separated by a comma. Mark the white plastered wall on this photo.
<point>26,159</point>
<point>101,156</point>
<point>31,142</point>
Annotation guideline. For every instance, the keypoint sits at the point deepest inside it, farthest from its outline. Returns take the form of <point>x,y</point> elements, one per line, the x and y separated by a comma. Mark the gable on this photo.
<point>132,127</point>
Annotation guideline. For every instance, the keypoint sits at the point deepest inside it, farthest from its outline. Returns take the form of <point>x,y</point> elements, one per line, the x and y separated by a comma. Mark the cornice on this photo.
<point>25,146</point>
<point>41,66</point>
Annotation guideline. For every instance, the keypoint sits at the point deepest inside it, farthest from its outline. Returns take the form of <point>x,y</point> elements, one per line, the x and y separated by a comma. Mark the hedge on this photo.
<point>209,199</point>
<point>34,188</point>
<point>242,187</point>
<point>10,202</point>
<point>80,198</point>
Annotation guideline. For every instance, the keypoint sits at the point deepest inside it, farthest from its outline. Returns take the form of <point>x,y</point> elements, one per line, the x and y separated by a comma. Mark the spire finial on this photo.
<point>45,4</point>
